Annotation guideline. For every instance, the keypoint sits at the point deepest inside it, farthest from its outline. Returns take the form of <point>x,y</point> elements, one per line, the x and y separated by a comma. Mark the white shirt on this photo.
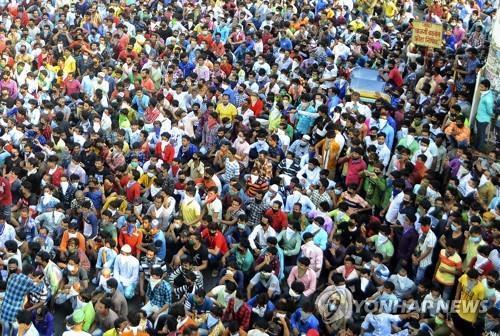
<point>9,233</point>
<point>423,244</point>
<point>384,154</point>
<point>392,212</point>
<point>381,323</point>
<point>261,236</point>
<point>126,269</point>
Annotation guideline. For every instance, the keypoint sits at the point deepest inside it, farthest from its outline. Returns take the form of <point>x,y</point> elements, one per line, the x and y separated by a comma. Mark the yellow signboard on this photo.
<point>427,34</point>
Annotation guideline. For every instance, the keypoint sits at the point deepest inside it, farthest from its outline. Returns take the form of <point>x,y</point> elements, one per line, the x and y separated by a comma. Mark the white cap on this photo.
<point>126,248</point>
<point>274,188</point>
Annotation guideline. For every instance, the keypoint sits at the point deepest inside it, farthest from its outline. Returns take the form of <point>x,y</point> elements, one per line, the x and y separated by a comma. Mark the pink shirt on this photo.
<point>308,279</point>
<point>315,254</point>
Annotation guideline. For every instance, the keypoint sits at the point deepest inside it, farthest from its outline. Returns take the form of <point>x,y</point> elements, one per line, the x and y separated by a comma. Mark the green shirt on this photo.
<point>244,261</point>
<point>89,312</point>
<point>386,248</point>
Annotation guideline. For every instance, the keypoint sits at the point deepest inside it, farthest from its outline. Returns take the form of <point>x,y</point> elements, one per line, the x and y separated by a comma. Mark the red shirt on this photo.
<point>168,153</point>
<point>5,194</point>
<point>133,240</point>
<point>215,241</point>
<point>279,220</point>
<point>396,77</point>
<point>355,167</point>
<point>72,87</point>
<point>257,107</point>
<point>133,191</point>
<point>56,176</point>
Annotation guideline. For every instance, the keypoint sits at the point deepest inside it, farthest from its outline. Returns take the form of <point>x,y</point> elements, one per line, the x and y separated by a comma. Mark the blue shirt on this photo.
<point>320,237</point>
<point>162,249</point>
<point>186,68</point>
<point>472,65</point>
<point>303,325</point>
<point>142,103</point>
<point>185,155</point>
<point>161,294</point>
<point>191,306</point>
<point>485,108</point>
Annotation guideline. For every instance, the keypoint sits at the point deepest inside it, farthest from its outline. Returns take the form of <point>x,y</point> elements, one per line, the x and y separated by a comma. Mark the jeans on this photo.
<point>480,138</point>
<point>447,292</point>
<point>419,274</point>
<point>150,308</point>
<point>128,291</point>
<point>9,329</point>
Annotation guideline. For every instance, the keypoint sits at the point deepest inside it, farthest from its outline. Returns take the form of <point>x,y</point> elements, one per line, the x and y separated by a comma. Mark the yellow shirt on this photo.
<point>69,65</point>
<point>145,180</point>
<point>190,210</point>
<point>123,205</point>
<point>390,9</point>
<point>228,111</point>
<point>470,299</point>
<point>471,250</point>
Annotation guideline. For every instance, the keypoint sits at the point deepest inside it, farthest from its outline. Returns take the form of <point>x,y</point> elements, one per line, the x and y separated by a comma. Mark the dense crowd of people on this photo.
<point>208,168</point>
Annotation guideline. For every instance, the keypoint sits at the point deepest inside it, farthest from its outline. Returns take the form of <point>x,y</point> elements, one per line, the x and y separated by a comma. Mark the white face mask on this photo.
<point>138,209</point>
<point>483,180</point>
<point>64,185</point>
<point>71,268</point>
<point>153,282</point>
<point>72,235</point>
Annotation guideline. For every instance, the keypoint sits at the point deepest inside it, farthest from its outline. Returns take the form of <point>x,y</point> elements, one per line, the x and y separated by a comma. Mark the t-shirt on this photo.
<point>198,255</point>
<point>452,263</point>
<point>70,279</point>
<point>396,77</point>
<point>272,283</point>
<point>228,111</point>
<point>106,322</point>
<point>471,293</point>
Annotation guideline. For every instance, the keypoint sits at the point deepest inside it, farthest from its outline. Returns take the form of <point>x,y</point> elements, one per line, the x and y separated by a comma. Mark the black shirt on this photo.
<point>199,255</point>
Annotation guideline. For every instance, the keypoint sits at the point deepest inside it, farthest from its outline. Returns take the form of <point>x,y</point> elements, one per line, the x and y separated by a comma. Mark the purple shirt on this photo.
<point>11,86</point>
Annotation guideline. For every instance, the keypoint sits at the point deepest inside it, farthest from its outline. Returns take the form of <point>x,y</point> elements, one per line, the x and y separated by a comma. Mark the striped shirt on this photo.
<point>232,170</point>
<point>452,263</point>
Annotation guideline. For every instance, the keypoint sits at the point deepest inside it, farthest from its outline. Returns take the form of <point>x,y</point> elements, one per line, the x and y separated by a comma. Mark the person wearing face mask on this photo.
<point>334,304</point>
<point>474,240</point>
<point>469,290</point>
<point>130,235</point>
<point>403,286</point>
<point>126,271</point>
<point>72,232</point>
<point>65,192</point>
<point>239,311</point>
<point>216,244</point>
<point>382,243</point>
<point>289,167</point>
<point>303,319</point>
<point>300,148</point>
<point>158,295</point>
<point>422,256</point>
<point>47,202</point>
